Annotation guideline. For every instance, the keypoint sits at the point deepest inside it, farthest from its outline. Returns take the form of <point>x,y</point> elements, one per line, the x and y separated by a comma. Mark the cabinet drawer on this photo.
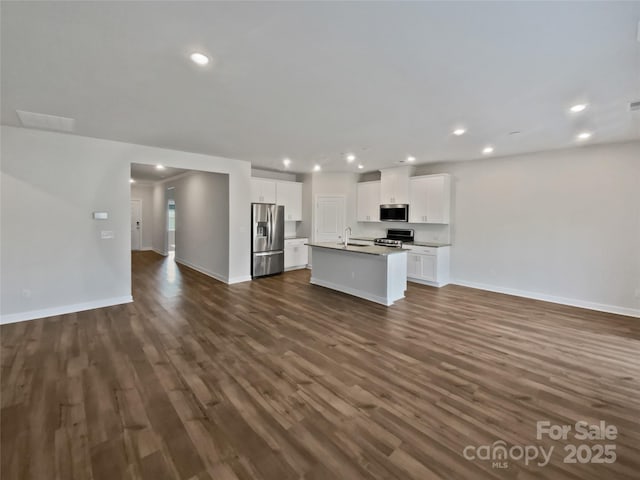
<point>423,250</point>
<point>295,241</point>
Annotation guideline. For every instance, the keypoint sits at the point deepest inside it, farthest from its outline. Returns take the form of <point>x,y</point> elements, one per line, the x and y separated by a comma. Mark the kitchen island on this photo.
<point>372,272</point>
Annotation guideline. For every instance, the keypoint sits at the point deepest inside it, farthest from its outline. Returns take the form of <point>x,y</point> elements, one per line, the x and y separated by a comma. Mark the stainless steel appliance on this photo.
<point>394,213</point>
<point>395,237</point>
<point>267,239</point>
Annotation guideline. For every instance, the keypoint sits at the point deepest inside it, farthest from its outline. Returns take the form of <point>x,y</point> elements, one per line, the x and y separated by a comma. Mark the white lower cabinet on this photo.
<point>428,265</point>
<point>296,253</point>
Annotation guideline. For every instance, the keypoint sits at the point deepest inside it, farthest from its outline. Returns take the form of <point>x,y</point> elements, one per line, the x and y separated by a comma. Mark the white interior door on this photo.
<point>136,222</point>
<point>329,218</point>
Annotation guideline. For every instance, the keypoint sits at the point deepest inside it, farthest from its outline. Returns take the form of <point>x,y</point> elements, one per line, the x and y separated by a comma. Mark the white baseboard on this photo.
<point>351,291</point>
<point>159,252</point>
<point>146,249</point>
<point>572,302</point>
<point>209,273</point>
<point>64,309</point>
<point>297,267</point>
<point>245,278</point>
<point>426,282</point>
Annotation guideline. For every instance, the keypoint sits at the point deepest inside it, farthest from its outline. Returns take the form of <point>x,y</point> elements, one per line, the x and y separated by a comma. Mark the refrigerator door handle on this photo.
<point>270,228</point>
<point>264,254</point>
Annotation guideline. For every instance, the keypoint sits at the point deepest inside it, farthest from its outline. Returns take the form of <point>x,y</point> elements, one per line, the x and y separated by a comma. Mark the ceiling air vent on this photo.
<point>634,106</point>
<point>46,122</point>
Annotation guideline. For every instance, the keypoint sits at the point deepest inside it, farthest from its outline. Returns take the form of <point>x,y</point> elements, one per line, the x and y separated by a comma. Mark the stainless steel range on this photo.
<point>395,238</point>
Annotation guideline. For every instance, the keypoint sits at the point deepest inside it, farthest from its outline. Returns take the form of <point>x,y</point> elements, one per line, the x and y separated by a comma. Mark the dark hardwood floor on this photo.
<point>278,379</point>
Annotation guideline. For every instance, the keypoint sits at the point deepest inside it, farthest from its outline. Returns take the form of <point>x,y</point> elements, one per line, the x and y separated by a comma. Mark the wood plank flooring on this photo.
<point>278,379</point>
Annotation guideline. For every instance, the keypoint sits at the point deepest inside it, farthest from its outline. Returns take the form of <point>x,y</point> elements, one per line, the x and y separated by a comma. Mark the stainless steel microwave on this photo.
<point>394,213</point>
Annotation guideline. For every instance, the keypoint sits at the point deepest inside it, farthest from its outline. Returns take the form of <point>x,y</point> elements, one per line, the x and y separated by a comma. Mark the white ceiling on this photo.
<point>313,80</point>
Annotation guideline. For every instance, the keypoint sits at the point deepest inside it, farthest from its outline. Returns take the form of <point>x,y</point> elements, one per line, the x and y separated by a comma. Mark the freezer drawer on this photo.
<point>267,263</point>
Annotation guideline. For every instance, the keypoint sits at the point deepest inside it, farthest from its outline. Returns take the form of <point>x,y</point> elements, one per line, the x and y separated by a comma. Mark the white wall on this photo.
<point>59,258</point>
<point>561,225</point>
<point>144,193</point>
<point>52,257</point>
<point>202,222</point>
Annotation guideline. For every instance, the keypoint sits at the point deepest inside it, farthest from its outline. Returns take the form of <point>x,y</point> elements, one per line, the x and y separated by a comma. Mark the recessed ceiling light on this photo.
<point>487,150</point>
<point>411,159</point>
<point>351,157</point>
<point>578,107</point>
<point>361,166</point>
<point>159,167</point>
<point>286,162</point>
<point>459,131</point>
<point>316,168</point>
<point>199,58</point>
<point>131,180</point>
<point>584,135</point>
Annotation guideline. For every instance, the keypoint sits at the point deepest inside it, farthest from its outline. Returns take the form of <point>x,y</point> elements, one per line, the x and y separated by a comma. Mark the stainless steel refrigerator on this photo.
<point>267,239</point>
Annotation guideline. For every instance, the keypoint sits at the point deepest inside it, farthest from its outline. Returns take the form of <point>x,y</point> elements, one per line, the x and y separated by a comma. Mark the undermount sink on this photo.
<point>352,244</point>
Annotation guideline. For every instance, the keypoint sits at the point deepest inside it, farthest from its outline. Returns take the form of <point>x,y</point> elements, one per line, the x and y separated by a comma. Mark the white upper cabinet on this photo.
<point>394,185</point>
<point>430,199</point>
<point>263,190</point>
<point>289,194</point>
<point>368,207</point>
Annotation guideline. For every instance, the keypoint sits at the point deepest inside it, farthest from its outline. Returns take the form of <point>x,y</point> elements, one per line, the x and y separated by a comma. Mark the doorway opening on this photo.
<point>136,224</point>
<point>171,226</point>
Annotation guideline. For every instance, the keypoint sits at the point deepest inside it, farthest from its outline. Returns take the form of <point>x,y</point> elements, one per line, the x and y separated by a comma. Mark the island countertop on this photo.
<point>369,249</point>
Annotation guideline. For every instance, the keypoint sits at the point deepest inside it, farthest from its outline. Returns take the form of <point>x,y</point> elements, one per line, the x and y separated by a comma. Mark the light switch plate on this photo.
<point>100,215</point>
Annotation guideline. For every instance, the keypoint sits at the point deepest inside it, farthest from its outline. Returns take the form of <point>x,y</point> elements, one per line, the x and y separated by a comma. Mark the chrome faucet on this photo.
<point>347,232</point>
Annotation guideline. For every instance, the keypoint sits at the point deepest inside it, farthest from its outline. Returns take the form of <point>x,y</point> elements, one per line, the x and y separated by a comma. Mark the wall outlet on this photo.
<point>26,293</point>
<point>106,234</point>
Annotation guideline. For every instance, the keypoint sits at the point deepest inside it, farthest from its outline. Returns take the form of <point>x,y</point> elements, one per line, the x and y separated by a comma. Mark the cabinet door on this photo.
<point>263,190</point>
<point>428,265</point>
<point>368,205</point>
<point>387,187</point>
<point>362,205</point>
<point>418,200</point>
<point>394,186</point>
<point>401,189</point>
<point>302,255</point>
<point>289,255</point>
<point>289,194</point>
<point>373,212</point>
<point>435,199</point>
<point>414,268</point>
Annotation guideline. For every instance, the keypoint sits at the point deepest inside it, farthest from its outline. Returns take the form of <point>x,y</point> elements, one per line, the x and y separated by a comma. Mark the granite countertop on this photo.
<point>369,249</point>
<point>429,244</point>
<point>296,238</point>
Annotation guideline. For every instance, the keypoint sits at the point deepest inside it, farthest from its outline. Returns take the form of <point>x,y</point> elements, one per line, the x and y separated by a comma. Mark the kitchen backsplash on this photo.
<point>422,232</point>
<point>289,229</point>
